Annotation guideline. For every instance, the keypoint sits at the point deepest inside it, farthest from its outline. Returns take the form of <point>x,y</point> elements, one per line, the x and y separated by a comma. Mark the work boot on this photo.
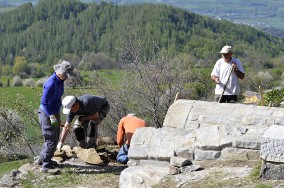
<point>91,142</point>
<point>82,144</point>
<point>54,171</point>
<point>37,161</point>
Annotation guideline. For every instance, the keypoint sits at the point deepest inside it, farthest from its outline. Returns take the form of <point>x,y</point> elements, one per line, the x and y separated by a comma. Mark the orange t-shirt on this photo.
<point>127,127</point>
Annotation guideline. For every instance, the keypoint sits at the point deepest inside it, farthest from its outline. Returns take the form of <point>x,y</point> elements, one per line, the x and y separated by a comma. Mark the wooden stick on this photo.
<point>261,95</point>
<point>226,85</point>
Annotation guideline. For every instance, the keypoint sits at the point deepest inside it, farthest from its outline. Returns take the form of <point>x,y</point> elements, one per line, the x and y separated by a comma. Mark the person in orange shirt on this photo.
<point>126,128</point>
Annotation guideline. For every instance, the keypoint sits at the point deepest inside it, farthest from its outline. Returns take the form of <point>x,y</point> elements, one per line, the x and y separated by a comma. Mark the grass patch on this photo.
<point>254,175</point>
<point>68,178</point>
<point>29,95</point>
<point>7,167</point>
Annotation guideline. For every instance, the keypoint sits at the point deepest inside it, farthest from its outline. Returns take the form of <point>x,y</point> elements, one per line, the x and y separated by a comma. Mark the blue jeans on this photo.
<point>122,155</point>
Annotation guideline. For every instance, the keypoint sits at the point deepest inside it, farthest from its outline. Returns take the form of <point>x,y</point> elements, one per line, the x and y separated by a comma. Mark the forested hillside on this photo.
<point>50,29</point>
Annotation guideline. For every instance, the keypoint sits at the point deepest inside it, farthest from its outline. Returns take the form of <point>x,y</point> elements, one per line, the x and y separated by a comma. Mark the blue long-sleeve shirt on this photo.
<point>53,90</point>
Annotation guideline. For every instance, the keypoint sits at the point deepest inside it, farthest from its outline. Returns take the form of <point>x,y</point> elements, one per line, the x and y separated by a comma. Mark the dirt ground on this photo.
<point>212,174</point>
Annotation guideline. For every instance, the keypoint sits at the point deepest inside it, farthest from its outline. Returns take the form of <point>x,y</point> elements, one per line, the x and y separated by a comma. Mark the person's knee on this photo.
<point>122,159</point>
<point>79,133</point>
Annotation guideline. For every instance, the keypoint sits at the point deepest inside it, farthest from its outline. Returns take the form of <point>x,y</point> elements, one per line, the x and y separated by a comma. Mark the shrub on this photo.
<point>29,82</point>
<point>10,126</point>
<point>274,97</point>
<point>17,81</point>
<point>41,82</point>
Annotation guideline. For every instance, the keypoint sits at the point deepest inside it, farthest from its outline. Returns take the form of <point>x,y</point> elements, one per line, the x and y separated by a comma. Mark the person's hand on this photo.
<point>217,81</point>
<point>234,67</point>
<point>53,120</point>
<point>59,146</point>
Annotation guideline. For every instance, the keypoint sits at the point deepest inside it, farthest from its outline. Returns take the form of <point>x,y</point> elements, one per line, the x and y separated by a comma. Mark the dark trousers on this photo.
<point>51,136</point>
<point>226,98</point>
<point>89,129</point>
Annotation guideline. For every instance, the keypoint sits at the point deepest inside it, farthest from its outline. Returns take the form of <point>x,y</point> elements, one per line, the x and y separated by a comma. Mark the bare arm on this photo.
<point>215,79</point>
<point>239,74</point>
<point>65,131</point>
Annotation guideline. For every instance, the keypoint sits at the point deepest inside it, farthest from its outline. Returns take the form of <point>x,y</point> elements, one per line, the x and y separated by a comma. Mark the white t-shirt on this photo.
<point>222,71</point>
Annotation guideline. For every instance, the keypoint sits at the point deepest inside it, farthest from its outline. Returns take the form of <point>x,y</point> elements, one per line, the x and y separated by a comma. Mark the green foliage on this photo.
<point>274,97</point>
<point>255,173</point>
<point>6,70</point>
<point>20,65</point>
<point>7,167</point>
<point>25,102</point>
<point>46,31</point>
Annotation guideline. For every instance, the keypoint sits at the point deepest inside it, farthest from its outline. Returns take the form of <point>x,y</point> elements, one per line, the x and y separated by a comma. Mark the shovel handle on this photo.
<point>225,85</point>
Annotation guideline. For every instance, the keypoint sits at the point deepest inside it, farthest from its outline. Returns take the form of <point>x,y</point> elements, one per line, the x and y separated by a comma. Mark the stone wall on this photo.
<point>272,153</point>
<point>200,130</point>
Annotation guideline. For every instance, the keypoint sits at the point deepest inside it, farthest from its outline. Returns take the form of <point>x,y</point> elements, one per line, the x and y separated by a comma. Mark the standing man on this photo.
<point>91,111</point>
<point>231,69</point>
<point>49,112</point>
<point>126,128</point>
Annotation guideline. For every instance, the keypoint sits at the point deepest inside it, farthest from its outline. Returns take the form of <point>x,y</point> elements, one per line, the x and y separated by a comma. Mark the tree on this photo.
<point>20,65</point>
<point>148,88</point>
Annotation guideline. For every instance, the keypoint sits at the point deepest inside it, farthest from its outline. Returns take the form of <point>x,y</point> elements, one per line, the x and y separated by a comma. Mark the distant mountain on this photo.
<point>53,28</point>
<point>266,15</point>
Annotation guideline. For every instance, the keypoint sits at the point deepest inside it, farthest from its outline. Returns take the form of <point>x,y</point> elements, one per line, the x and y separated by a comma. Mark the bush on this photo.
<point>10,126</point>
<point>41,82</point>
<point>17,81</point>
<point>29,82</point>
<point>274,97</point>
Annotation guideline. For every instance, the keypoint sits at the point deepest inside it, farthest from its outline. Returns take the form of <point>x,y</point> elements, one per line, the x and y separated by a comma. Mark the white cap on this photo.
<point>226,49</point>
<point>131,115</point>
<point>67,103</point>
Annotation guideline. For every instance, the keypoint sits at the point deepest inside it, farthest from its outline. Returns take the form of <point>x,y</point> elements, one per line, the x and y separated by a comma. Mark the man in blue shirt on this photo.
<point>49,112</point>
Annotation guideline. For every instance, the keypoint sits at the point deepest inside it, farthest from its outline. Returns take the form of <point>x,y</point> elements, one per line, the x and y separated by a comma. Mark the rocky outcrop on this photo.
<point>197,131</point>
<point>272,153</point>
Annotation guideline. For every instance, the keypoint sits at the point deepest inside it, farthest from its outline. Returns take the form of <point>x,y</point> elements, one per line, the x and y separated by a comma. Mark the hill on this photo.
<point>266,15</point>
<point>262,14</point>
<point>49,29</point>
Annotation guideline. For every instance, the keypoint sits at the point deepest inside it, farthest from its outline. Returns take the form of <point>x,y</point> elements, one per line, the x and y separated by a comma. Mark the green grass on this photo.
<point>7,167</point>
<point>68,178</point>
<point>112,76</point>
<point>6,9</point>
<point>13,93</point>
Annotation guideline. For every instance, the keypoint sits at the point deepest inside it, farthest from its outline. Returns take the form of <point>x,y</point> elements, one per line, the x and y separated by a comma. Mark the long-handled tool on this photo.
<point>225,85</point>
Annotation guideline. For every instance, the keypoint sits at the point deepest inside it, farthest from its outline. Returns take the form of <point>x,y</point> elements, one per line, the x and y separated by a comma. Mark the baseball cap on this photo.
<point>65,68</point>
<point>131,114</point>
<point>67,103</point>
<point>226,49</point>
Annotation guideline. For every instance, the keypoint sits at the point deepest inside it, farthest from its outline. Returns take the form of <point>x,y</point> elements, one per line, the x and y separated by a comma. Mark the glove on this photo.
<point>53,120</point>
<point>59,146</point>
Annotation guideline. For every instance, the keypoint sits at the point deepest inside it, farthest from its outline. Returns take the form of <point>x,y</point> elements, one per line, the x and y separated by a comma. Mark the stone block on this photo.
<point>178,161</point>
<point>201,155</point>
<point>239,154</point>
<point>272,144</point>
<point>185,153</point>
